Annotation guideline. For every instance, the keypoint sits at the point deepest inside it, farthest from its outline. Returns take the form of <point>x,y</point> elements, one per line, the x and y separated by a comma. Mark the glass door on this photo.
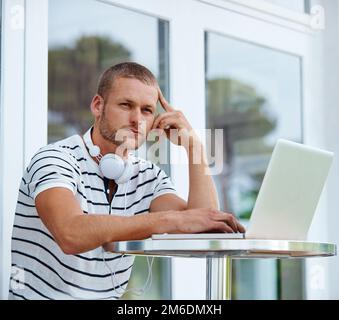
<point>258,75</point>
<point>84,38</point>
<point>253,93</point>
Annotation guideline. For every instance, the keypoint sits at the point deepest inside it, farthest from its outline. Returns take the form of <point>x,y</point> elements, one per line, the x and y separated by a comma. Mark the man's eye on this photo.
<point>149,111</point>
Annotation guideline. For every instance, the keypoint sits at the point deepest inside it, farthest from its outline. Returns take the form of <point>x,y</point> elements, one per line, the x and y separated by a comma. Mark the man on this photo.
<point>67,209</point>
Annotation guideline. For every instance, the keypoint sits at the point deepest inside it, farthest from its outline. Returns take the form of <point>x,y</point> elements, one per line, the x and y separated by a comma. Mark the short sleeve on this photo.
<point>163,184</point>
<point>50,168</point>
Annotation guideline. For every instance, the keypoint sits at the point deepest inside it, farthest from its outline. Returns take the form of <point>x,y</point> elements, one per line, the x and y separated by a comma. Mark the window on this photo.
<point>295,5</point>
<point>254,95</point>
<point>86,37</point>
<point>300,6</point>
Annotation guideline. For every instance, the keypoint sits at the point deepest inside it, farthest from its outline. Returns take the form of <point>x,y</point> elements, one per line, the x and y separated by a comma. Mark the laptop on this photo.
<point>288,196</point>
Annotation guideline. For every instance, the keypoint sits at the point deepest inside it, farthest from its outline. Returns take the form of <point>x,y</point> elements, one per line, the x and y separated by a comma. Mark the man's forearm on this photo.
<point>90,231</point>
<point>202,191</point>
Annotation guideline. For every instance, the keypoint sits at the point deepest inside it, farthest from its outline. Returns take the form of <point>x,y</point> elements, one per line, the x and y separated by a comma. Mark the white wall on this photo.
<point>322,276</point>
<point>11,128</point>
<point>331,130</point>
<point>23,126</point>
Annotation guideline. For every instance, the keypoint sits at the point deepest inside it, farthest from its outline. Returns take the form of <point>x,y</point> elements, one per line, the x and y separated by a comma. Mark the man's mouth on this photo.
<point>135,131</point>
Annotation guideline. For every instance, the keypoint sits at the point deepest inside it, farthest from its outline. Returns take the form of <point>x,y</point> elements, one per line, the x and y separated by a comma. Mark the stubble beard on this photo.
<point>114,136</point>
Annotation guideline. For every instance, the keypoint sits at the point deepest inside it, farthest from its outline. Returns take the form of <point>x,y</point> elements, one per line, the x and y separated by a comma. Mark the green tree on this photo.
<point>73,73</point>
<point>244,116</point>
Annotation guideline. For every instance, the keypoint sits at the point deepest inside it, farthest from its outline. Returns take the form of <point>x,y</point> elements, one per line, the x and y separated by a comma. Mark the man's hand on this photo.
<point>204,220</point>
<point>174,124</point>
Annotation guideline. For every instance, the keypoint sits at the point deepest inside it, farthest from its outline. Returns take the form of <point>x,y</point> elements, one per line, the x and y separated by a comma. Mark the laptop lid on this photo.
<point>290,192</point>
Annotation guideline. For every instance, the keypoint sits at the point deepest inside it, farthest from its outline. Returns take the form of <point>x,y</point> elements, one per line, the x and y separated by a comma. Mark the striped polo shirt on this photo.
<point>40,269</point>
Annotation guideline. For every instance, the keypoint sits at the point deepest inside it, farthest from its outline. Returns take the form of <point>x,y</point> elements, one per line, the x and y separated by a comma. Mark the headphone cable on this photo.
<point>136,291</point>
<point>148,282</point>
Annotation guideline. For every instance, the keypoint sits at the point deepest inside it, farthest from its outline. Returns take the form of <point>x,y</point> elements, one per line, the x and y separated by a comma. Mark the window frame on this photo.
<point>267,11</point>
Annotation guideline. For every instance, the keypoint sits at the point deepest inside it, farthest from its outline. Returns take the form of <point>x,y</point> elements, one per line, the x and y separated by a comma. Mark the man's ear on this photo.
<point>97,105</point>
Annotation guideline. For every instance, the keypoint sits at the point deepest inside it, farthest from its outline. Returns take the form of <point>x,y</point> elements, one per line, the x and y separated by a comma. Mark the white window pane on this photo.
<point>295,5</point>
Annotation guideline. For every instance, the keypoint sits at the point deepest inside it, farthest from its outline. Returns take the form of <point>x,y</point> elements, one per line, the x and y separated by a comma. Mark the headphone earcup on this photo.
<point>112,166</point>
<point>127,173</point>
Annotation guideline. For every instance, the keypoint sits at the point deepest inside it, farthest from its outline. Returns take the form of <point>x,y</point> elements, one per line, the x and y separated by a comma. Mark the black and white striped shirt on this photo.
<point>48,273</point>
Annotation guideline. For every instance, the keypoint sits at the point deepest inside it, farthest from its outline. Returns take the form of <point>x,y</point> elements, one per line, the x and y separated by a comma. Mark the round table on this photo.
<point>219,254</point>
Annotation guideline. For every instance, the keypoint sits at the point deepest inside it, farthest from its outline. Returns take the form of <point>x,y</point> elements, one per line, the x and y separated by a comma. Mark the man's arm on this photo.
<point>202,191</point>
<point>168,201</point>
<point>76,232</point>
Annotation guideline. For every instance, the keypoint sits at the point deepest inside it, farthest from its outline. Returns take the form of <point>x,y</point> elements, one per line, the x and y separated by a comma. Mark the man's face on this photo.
<point>128,113</point>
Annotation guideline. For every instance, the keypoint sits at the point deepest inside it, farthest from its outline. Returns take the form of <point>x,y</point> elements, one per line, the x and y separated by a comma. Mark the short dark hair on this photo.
<point>124,70</point>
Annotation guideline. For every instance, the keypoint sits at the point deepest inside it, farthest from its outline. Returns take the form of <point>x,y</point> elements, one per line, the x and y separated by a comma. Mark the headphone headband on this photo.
<point>93,150</point>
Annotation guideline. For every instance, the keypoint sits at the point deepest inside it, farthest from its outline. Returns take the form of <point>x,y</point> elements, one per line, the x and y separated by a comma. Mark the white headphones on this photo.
<point>111,165</point>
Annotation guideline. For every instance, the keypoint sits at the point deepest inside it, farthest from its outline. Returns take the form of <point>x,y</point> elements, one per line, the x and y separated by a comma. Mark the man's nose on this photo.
<point>135,116</point>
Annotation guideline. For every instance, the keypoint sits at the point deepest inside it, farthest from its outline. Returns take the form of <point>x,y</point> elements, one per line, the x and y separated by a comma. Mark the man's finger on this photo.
<point>160,118</point>
<point>169,123</point>
<point>157,120</point>
<point>163,102</point>
<point>220,226</point>
<point>241,228</point>
<point>229,220</point>
<point>232,223</point>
